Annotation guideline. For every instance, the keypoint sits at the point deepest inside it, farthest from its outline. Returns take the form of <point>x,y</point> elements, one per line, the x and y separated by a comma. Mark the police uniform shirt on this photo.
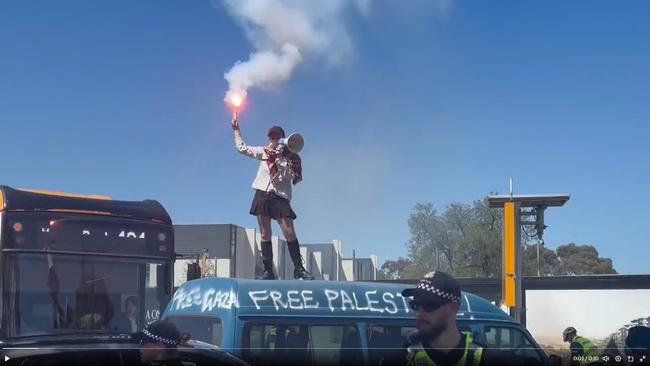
<point>447,358</point>
<point>576,349</point>
<point>490,356</point>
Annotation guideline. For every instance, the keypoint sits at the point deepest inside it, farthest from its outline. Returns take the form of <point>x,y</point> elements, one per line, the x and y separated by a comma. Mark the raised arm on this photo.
<point>256,152</point>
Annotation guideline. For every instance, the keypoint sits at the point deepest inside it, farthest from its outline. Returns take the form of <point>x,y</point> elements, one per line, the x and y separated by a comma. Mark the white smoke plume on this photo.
<point>284,33</point>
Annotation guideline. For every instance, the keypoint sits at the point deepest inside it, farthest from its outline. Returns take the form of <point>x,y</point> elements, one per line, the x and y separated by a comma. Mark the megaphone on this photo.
<point>294,142</point>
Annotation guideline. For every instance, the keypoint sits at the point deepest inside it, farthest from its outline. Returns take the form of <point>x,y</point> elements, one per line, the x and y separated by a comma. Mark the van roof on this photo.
<point>291,298</point>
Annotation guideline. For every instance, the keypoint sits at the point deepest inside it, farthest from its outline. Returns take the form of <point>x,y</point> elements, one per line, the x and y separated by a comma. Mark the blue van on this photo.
<point>323,322</point>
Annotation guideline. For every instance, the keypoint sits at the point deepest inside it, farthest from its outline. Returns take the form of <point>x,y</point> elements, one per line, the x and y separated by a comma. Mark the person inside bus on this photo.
<point>126,321</point>
<point>94,307</point>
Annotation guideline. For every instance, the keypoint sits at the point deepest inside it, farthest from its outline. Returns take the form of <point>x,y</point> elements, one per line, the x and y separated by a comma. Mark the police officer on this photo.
<point>438,341</point>
<point>583,351</point>
<point>160,341</point>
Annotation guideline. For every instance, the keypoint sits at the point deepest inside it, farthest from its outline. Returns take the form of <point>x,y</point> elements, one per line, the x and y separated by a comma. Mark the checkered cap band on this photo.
<point>157,338</point>
<point>427,286</point>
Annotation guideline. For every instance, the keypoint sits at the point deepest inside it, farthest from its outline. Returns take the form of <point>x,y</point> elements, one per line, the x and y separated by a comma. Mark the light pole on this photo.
<point>512,206</point>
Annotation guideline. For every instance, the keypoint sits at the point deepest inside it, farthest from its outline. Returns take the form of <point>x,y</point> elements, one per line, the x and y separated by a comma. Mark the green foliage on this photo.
<point>566,260</point>
<point>582,259</point>
<point>465,240</point>
<point>396,269</point>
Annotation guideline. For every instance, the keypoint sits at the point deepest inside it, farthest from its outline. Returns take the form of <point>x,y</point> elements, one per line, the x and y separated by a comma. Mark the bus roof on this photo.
<point>31,200</point>
<point>222,297</point>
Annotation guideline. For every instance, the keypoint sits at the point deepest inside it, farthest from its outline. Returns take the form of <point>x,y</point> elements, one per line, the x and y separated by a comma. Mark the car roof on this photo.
<point>75,344</point>
<point>293,298</point>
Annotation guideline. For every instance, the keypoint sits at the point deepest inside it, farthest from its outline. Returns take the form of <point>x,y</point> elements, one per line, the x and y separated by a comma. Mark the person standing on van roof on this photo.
<point>583,351</point>
<point>438,341</point>
<point>279,169</point>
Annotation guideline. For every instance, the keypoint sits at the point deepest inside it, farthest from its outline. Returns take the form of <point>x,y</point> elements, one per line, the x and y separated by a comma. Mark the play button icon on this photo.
<point>6,358</point>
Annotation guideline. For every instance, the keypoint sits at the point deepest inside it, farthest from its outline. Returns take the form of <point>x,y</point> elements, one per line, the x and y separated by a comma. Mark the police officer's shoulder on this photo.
<point>575,345</point>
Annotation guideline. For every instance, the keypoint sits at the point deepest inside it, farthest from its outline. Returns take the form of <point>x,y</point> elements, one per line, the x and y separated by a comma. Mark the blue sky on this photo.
<point>438,104</point>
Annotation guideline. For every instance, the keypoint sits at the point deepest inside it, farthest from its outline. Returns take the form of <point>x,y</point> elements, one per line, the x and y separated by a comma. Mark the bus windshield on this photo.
<point>64,293</point>
<point>71,274</point>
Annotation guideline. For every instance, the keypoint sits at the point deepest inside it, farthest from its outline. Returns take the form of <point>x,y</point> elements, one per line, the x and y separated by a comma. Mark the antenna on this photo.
<point>511,190</point>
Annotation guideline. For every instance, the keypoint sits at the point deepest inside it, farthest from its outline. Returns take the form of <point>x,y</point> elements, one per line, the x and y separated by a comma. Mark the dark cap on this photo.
<point>161,331</point>
<point>435,287</point>
<point>276,132</point>
<point>568,332</point>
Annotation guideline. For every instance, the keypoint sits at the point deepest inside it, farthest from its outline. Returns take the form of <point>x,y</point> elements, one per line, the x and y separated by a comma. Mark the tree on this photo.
<point>582,260</point>
<point>548,261</point>
<point>465,241</point>
<point>566,260</point>
<point>426,243</point>
<point>396,269</point>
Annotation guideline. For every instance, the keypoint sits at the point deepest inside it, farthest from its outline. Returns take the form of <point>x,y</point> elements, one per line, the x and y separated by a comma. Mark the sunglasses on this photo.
<point>428,307</point>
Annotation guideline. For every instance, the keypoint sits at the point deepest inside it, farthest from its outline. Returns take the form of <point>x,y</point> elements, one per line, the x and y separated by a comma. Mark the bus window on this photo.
<point>76,264</point>
<point>204,329</point>
<point>286,344</point>
<point>154,288</point>
<point>57,293</point>
<point>386,344</point>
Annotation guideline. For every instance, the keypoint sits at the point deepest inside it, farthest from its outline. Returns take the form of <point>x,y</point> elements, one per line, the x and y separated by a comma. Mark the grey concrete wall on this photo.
<point>192,239</point>
<point>322,257</point>
<point>365,268</point>
<point>246,253</point>
<point>347,268</point>
<point>237,253</point>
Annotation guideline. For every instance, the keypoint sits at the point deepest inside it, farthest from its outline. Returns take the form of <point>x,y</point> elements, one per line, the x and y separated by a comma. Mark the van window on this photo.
<point>387,343</point>
<point>512,340</point>
<point>203,328</point>
<point>301,344</point>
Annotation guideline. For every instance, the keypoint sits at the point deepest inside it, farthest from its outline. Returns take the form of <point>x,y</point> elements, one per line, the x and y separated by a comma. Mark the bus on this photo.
<point>74,264</point>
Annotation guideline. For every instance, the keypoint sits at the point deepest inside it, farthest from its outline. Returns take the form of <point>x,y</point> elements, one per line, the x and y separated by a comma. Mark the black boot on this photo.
<point>267,260</point>
<point>268,270</point>
<point>299,271</point>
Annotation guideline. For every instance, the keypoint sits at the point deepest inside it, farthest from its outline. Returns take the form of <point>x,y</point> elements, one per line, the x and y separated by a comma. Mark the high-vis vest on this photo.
<point>272,338</point>
<point>417,355</point>
<point>589,351</point>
